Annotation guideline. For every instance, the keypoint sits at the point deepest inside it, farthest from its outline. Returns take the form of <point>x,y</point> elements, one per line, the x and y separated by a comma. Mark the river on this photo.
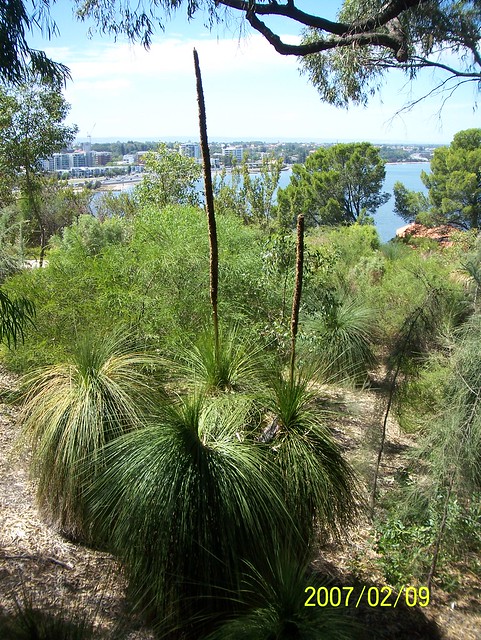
<point>385,219</point>
<point>410,175</point>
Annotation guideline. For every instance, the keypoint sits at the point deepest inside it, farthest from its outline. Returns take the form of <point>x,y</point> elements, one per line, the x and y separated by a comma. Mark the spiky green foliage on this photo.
<point>238,364</point>
<point>275,602</point>
<point>185,502</point>
<point>71,411</point>
<point>15,315</point>
<point>320,488</point>
<point>341,336</point>
<point>32,623</point>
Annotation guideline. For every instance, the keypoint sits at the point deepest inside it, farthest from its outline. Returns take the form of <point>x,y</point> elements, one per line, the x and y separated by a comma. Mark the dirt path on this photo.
<point>357,423</point>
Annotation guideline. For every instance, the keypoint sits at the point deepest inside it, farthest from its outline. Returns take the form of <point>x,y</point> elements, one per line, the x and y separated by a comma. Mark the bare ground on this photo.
<point>34,559</point>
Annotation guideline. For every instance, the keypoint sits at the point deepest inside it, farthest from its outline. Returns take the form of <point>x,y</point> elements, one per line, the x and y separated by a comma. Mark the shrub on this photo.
<point>154,279</point>
<point>341,337</point>
<point>70,412</point>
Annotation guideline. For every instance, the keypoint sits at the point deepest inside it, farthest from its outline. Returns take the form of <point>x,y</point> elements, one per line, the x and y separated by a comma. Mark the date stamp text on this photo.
<point>372,596</point>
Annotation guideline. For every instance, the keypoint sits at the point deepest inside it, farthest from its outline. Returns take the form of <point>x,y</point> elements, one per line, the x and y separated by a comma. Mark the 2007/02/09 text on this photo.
<point>373,596</point>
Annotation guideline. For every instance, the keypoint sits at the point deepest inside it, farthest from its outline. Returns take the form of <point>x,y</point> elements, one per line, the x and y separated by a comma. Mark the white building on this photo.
<point>190,150</point>
<point>236,153</point>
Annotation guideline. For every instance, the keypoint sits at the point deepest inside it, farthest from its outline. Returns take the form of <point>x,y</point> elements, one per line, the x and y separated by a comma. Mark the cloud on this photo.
<point>171,57</point>
<point>250,90</point>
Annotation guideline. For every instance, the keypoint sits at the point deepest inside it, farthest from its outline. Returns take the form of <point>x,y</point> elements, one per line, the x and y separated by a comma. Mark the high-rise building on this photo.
<point>191,150</point>
<point>236,153</point>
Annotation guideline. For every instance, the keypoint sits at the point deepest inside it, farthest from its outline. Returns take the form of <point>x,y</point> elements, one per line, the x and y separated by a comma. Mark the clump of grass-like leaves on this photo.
<point>235,363</point>
<point>71,411</point>
<point>33,620</point>
<point>15,316</point>
<point>274,604</point>
<point>320,488</point>
<point>37,624</point>
<point>341,337</point>
<point>185,503</point>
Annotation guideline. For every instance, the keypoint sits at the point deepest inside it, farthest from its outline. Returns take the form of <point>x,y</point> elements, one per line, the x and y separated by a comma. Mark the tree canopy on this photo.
<point>32,126</point>
<point>170,179</point>
<point>432,34</point>
<point>31,129</point>
<point>454,186</point>
<point>338,184</point>
<point>345,58</point>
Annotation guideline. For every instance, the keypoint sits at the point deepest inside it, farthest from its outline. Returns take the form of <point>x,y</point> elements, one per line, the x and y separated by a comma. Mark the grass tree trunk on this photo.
<point>209,205</point>
<point>296,301</point>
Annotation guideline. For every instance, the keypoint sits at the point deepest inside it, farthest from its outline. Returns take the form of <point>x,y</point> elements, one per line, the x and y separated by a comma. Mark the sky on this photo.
<point>122,91</point>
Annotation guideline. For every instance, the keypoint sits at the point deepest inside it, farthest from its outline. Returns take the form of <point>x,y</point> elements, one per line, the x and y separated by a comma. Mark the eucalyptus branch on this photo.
<point>387,13</point>
<point>439,88</point>
<point>385,40</point>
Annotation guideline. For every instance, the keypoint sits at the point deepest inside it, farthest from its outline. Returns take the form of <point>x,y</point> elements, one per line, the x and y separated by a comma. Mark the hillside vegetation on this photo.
<point>187,428</point>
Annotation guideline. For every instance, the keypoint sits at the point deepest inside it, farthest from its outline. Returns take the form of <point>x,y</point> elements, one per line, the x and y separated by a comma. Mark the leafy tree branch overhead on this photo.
<point>18,60</point>
<point>346,58</point>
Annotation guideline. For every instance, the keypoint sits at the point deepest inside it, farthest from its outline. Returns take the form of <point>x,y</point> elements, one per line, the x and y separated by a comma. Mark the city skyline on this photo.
<point>120,90</point>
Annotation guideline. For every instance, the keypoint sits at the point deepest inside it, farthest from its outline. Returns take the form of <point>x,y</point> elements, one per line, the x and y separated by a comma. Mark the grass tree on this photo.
<point>185,503</point>
<point>341,338</point>
<point>239,365</point>
<point>318,484</point>
<point>209,206</point>
<point>296,300</point>
<point>226,360</point>
<point>71,410</point>
<point>194,498</point>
